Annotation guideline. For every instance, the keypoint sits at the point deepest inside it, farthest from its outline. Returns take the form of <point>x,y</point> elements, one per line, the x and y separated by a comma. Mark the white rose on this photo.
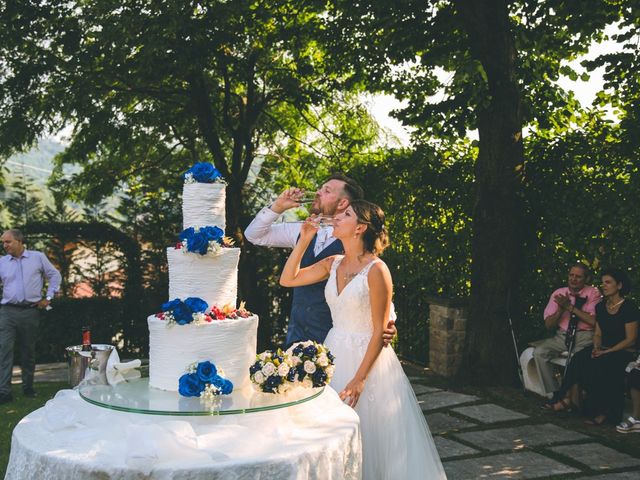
<point>296,361</point>
<point>283,369</point>
<point>268,369</point>
<point>258,377</point>
<point>323,360</point>
<point>264,355</point>
<point>307,383</point>
<point>309,367</point>
<point>329,370</point>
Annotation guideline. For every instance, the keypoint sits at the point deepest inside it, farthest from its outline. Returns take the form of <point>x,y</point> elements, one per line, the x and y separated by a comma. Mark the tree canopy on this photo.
<point>150,87</point>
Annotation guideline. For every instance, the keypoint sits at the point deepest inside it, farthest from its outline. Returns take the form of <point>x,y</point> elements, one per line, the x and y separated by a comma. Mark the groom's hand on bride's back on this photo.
<point>389,333</point>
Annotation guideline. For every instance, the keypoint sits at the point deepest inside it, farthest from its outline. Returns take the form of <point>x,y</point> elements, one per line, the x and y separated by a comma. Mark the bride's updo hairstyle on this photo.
<point>375,237</point>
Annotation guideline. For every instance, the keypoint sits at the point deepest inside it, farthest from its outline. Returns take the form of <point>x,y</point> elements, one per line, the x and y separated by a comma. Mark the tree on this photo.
<point>463,66</point>
<point>139,81</point>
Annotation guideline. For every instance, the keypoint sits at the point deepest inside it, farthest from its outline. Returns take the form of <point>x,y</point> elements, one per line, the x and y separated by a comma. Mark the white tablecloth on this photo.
<point>71,439</point>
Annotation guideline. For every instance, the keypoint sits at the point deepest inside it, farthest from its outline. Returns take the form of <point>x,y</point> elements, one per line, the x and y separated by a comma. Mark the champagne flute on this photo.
<point>306,197</point>
<point>323,221</point>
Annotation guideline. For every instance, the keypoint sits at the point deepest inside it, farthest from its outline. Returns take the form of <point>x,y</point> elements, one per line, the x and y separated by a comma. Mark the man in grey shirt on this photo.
<point>22,274</point>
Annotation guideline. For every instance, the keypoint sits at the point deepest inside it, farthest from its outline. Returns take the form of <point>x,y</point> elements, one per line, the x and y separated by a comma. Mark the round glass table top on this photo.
<point>137,396</point>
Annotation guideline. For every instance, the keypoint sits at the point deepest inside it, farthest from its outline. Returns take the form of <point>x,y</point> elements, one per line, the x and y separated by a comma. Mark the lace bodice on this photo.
<point>351,309</point>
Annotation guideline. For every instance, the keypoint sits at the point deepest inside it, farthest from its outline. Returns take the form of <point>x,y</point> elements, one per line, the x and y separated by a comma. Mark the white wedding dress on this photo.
<point>396,441</point>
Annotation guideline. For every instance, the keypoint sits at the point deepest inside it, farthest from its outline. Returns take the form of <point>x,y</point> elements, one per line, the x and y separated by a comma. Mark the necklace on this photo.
<point>349,276</point>
<point>611,307</point>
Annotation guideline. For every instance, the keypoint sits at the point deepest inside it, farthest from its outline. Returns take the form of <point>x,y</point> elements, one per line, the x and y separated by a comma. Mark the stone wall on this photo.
<point>447,329</point>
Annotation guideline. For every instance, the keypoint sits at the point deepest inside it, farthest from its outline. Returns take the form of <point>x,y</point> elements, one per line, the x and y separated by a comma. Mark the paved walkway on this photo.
<point>477,439</point>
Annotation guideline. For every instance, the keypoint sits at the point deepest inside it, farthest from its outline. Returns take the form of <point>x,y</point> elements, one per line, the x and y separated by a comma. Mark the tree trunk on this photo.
<point>489,356</point>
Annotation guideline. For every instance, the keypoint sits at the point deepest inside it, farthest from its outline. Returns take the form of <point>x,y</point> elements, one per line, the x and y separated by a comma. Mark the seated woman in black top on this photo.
<point>613,347</point>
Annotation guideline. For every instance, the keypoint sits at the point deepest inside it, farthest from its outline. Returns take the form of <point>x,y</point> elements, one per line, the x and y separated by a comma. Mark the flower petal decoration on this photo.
<point>206,371</point>
<point>203,380</point>
<point>196,304</point>
<point>189,385</point>
<point>203,172</point>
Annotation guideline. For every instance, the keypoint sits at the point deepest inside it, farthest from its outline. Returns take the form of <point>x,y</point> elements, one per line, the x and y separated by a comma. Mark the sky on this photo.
<point>380,105</point>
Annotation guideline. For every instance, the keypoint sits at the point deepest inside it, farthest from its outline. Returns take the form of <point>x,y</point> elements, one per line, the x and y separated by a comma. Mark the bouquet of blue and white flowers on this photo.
<point>313,363</point>
<point>203,172</point>
<point>204,380</point>
<point>307,364</point>
<point>270,371</point>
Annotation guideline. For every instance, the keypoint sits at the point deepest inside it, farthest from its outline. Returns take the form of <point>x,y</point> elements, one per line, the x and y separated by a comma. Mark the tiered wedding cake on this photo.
<point>209,273</point>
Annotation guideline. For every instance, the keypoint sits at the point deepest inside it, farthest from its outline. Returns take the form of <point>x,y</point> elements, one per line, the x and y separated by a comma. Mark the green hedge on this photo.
<point>109,320</point>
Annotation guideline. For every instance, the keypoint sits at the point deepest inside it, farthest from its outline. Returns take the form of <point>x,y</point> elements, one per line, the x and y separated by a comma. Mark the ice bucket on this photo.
<point>90,365</point>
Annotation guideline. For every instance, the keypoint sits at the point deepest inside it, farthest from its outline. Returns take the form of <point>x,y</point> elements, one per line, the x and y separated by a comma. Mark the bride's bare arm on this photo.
<point>294,276</point>
<point>380,289</point>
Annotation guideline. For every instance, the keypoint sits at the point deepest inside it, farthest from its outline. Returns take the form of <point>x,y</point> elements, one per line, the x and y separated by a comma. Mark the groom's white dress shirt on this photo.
<point>264,232</point>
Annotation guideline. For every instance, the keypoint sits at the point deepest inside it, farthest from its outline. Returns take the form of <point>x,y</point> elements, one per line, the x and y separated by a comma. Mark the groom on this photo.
<point>310,315</point>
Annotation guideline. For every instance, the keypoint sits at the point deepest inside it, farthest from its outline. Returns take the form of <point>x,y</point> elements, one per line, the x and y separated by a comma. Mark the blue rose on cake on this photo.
<point>203,172</point>
<point>204,240</point>
<point>203,379</point>
<point>195,310</point>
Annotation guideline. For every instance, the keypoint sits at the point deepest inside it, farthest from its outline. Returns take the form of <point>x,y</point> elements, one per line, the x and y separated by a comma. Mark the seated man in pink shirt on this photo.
<point>577,301</point>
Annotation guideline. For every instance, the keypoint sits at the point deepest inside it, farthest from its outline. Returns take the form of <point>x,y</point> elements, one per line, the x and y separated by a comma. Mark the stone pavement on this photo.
<point>477,439</point>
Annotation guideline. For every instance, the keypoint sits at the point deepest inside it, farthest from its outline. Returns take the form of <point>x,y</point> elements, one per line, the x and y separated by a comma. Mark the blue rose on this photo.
<point>298,350</point>
<point>225,386</point>
<point>330,356</point>
<point>206,371</point>
<point>256,367</point>
<point>196,304</point>
<point>300,371</point>
<point>204,172</point>
<point>182,314</point>
<point>310,351</point>
<point>198,243</point>
<point>319,378</point>
<point>167,307</point>
<point>271,383</point>
<point>189,385</point>
<point>213,233</point>
<point>291,376</point>
<point>187,233</point>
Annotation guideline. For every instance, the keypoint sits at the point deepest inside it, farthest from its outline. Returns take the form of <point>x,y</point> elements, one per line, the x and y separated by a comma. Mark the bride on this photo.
<point>396,441</point>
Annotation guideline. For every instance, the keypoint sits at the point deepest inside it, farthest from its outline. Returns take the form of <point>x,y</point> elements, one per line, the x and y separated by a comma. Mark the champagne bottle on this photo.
<point>86,339</point>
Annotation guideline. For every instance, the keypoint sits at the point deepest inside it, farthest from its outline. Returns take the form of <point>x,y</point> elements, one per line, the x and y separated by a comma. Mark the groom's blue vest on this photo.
<point>310,314</point>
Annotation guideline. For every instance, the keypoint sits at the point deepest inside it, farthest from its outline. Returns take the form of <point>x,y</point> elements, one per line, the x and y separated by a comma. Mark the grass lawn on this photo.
<point>12,413</point>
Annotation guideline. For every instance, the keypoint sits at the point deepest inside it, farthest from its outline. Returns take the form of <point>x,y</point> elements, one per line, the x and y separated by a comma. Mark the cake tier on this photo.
<point>230,344</point>
<point>203,204</point>
<point>213,278</point>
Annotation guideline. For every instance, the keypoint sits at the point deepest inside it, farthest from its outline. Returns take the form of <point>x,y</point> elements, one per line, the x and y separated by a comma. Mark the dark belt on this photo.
<point>20,305</point>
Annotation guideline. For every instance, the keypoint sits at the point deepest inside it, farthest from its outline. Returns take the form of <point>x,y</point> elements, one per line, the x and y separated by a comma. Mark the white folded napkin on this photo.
<point>118,372</point>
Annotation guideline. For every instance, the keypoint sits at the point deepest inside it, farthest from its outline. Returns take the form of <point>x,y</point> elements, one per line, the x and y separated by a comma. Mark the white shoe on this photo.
<point>630,425</point>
